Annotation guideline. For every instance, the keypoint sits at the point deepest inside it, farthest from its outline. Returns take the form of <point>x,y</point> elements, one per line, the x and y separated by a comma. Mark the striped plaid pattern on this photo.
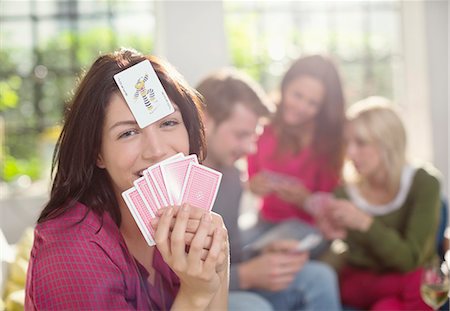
<point>84,264</point>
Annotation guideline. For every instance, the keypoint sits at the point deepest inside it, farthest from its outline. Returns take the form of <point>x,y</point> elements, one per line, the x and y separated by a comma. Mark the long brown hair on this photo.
<point>328,137</point>
<point>76,175</point>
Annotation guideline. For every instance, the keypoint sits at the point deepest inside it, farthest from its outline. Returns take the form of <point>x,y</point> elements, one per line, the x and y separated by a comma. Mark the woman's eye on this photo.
<point>128,134</point>
<point>169,123</point>
<point>360,143</point>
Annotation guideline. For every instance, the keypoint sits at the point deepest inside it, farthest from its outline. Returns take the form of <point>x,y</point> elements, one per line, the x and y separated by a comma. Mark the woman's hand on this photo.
<point>345,214</point>
<point>202,267</point>
<point>195,216</point>
<point>260,184</point>
<point>293,192</point>
<point>330,229</point>
<point>319,206</point>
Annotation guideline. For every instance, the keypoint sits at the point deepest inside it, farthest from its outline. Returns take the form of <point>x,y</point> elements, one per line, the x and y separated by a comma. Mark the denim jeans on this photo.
<point>247,301</point>
<point>314,288</point>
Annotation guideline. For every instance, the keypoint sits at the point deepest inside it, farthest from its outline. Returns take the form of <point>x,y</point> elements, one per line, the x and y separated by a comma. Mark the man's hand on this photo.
<point>274,269</point>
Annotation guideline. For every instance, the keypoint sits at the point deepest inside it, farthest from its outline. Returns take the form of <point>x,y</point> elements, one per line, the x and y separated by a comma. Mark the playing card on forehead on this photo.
<point>200,186</point>
<point>174,173</point>
<point>141,214</point>
<point>144,93</point>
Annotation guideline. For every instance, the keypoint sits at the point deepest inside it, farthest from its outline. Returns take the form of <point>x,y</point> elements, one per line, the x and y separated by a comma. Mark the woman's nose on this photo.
<point>351,151</point>
<point>154,148</point>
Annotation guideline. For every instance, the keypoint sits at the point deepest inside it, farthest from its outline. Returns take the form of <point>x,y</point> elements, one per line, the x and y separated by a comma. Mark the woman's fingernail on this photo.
<point>185,207</point>
<point>169,211</point>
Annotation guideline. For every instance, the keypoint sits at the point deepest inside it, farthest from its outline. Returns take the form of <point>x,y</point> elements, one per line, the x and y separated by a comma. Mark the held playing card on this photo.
<point>140,213</point>
<point>144,93</point>
<point>316,202</point>
<point>279,178</point>
<point>147,194</point>
<point>159,198</point>
<point>309,242</point>
<point>154,178</point>
<point>174,173</point>
<point>200,186</point>
<point>290,230</point>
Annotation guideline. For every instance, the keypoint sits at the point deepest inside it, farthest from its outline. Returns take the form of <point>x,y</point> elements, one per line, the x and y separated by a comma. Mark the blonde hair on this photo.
<point>376,122</point>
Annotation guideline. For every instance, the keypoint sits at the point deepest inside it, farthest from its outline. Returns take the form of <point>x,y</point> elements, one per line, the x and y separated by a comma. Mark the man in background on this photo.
<point>278,277</point>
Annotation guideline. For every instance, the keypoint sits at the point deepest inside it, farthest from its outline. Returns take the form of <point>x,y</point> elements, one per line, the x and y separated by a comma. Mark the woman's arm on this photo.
<point>403,249</point>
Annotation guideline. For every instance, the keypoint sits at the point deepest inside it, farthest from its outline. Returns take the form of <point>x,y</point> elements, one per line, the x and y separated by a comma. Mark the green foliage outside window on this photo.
<point>32,103</point>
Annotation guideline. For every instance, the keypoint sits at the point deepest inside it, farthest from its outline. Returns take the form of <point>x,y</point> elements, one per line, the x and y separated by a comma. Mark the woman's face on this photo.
<point>302,99</point>
<point>127,149</point>
<point>365,155</point>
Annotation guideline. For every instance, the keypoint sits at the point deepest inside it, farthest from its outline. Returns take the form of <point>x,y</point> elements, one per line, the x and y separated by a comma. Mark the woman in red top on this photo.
<point>301,151</point>
<point>88,252</point>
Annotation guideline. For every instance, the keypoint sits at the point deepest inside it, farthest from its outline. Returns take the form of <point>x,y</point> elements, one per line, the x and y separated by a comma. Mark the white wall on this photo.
<point>414,97</point>
<point>425,76</point>
<point>191,36</point>
<point>436,13</point>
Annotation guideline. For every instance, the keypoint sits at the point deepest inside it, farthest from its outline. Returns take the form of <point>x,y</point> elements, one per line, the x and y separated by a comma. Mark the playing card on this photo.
<point>279,178</point>
<point>200,186</point>
<point>309,242</point>
<point>316,202</point>
<point>174,173</point>
<point>140,213</point>
<point>144,93</point>
<point>147,194</point>
<point>155,180</point>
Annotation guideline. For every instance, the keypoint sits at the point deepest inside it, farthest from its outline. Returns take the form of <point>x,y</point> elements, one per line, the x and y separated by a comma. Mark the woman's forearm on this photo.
<point>220,300</point>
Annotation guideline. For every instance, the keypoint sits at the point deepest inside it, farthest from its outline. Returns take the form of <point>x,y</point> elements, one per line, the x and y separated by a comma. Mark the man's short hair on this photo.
<point>225,88</point>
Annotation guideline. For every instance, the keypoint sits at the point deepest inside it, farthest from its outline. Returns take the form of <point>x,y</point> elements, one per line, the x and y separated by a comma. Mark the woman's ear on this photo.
<point>100,163</point>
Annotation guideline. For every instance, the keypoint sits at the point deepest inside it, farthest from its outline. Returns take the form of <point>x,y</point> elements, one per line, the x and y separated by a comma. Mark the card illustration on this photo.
<point>144,93</point>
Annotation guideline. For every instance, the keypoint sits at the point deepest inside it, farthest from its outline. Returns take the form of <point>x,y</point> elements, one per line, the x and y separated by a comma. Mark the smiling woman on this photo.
<point>88,252</point>
<point>303,144</point>
<point>127,149</point>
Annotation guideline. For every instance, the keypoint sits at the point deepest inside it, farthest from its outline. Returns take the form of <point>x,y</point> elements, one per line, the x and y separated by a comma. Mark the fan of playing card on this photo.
<point>174,181</point>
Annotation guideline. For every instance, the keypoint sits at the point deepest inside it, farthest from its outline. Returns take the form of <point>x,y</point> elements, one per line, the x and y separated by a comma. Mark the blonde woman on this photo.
<point>389,210</point>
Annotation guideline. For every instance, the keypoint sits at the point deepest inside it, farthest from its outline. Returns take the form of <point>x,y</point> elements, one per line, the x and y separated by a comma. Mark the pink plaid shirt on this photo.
<point>84,264</point>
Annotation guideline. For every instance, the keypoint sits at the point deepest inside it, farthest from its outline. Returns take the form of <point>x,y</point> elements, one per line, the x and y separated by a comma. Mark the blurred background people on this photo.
<point>390,210</point>
<point>301,151</point>
<point>278,278</point>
